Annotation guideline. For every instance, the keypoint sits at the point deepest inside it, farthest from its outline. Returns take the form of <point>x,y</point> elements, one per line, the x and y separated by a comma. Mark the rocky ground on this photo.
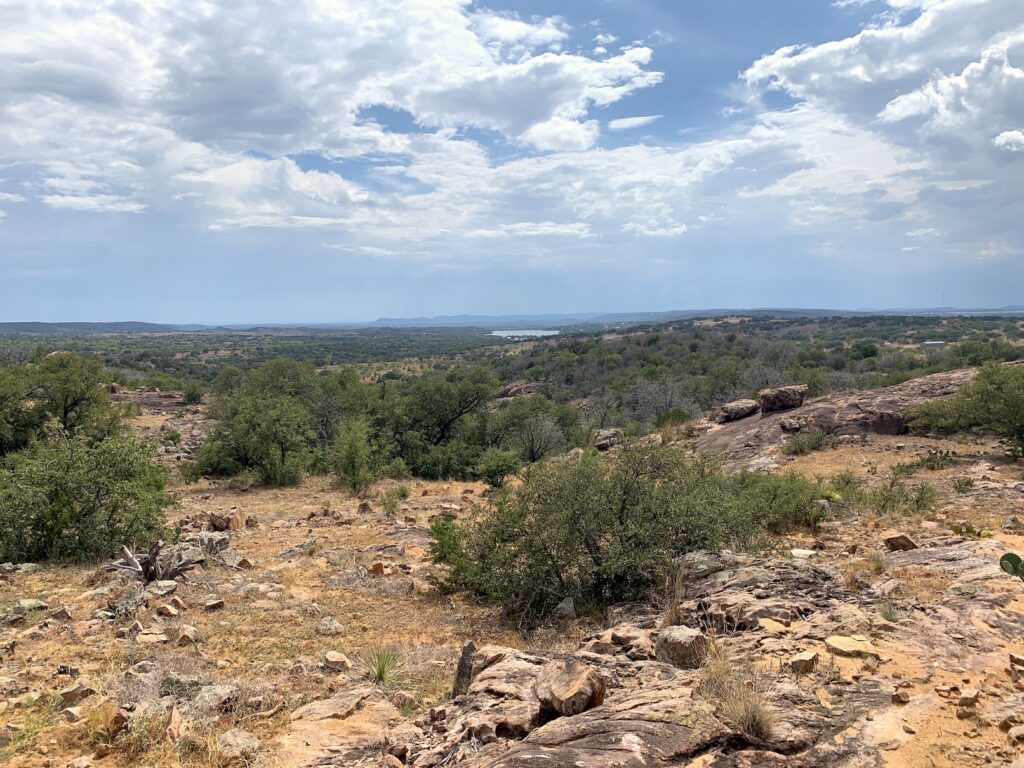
<point>881,641</point>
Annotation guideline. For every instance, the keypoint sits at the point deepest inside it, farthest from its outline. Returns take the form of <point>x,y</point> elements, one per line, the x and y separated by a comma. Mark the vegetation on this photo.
<point>602,529</point>
<point>73,483</point>
<point>803,443</point>
<point>994,400</point>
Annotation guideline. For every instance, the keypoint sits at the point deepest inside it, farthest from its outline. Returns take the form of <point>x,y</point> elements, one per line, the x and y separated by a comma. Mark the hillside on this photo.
<point>882,639</point>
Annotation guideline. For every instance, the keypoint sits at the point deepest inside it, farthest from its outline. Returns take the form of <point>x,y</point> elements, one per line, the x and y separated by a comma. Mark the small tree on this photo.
<point>68,498</point>
<point>354,458</point>
<point>495,465</point>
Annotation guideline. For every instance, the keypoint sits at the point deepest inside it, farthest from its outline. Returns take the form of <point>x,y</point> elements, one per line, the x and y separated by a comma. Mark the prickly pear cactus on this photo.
<point>1012,563</point>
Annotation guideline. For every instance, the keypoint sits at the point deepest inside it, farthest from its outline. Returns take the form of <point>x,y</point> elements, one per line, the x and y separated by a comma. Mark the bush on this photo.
<point>193,393</point>
<point>354,462</point>
<point>994,400</point>
<point>603,529</point>
<point>807,442</point>
<point>495,465</point>
<point>67,498</point>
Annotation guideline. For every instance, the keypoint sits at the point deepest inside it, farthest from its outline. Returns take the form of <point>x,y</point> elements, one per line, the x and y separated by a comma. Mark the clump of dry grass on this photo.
<point>740,693</point>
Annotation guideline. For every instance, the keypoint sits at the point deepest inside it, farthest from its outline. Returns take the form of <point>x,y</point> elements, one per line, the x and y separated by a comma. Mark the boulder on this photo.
<point>682,647</point>
<point>899,542</point>
<point>569,687</point>
<point>608,438</point>
<point>781,398</point>
<point>804,663</point>
<point>237,746</point>
<point>855,647</point>
<point>734,411</point>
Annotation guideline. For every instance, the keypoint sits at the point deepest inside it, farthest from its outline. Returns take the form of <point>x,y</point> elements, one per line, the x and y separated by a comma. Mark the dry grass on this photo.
<point>739,692</point>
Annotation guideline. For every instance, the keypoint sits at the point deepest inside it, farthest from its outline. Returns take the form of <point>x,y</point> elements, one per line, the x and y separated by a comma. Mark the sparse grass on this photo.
<point>889,612</point>
<point>383,664</point>
<point>739,692</point>
<point>807,442</point>
<point>962,484</point>
<point>876,564</point>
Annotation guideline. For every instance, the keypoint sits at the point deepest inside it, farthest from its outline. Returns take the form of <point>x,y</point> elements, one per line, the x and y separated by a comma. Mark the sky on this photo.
<point>224,161</point>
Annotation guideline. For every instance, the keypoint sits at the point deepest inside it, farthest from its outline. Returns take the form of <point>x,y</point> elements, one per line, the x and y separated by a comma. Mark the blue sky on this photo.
<point>342,160</point>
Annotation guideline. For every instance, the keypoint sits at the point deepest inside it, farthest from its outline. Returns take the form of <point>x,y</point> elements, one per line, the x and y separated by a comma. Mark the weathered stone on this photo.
<point>337,662</point>
<point>781,398</point>
<point>216,698</point>
<point>682,647</point>
<point>569,687</point>
<point>606,439</point>
<point>804,663</point>
<point>899,542</point>
<point>73,694</point>
<point>851,647</point>
<point>734,411</point>
<point>236,746</point>
<point>329,627</point>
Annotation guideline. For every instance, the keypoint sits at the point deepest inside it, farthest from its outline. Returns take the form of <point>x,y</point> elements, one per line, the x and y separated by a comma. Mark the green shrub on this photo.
<point>69,498</point>
<point>803,443</point>
<point>962,484</point>
<point>354,460</point>
<point>994,400</point>
<point>495,465</point>
<point>601,529</point>
<point>193,393</point>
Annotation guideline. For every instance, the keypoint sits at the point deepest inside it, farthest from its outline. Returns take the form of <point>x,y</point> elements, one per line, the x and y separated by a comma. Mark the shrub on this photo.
<point>67,498</point>
<point>962,484</point>
<point>354,461</point>
<point>803,443</point>
<point>495,465</point>
<point>383,664</point>
<point>193,393</point>
<point>994,400</point>
<point>602,529</point>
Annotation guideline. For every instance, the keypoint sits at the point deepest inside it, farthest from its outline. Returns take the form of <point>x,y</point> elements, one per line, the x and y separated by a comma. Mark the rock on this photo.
<point>569,687</point>
<point>899,542</point>
<point>404,700</point>
<point>851,647</point>
<point>161,588</point>
<point>565,610</point>
<point>215,698</point>
<point>173,725</point>
<point>804,663</point>
<point>236,746</point>
<point>151,636</point>
<point>781,398</point>
<point>734,411</point>
<point>61,614</point>
<point>802,554</point>
<point>682,647</point>
<point>900,697</point>
<point>167,610</point>
<point>337,662</point>
<point>464,670</point>
<point>605,439</point>
<point>214,604</point>
<point>969,698</point>
<point>76,693</point>
<point>27,605</point>
<point>72,714</point>
<point>187,635</point>
<point>365,508</point>
<point>329,627</point>
<point>1016,734</point>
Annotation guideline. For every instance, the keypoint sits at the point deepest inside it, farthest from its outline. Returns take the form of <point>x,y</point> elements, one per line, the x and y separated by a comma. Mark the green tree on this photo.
<point>495,465</point>
<point>71,498</point>
<point>355,462</point>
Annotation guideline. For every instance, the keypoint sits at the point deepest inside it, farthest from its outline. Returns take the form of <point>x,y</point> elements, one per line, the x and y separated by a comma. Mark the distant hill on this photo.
<point>72,329</point>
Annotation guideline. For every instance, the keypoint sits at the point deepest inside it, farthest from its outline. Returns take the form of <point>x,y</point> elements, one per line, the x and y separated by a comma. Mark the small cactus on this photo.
<point>1011,563</point>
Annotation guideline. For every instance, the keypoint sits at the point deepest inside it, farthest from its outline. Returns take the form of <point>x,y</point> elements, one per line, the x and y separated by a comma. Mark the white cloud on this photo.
<point>1010,141</point>
<point>625,123</point>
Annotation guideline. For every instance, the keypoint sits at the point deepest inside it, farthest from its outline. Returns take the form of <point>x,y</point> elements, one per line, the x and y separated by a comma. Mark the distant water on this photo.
<point>526,334</point>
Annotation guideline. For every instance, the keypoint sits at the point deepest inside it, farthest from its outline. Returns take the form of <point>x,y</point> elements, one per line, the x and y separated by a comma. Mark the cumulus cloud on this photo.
<point>241,116</point>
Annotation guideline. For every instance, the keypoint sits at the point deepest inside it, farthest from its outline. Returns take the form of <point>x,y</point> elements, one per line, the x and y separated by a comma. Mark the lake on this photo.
<point>528,334</point>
